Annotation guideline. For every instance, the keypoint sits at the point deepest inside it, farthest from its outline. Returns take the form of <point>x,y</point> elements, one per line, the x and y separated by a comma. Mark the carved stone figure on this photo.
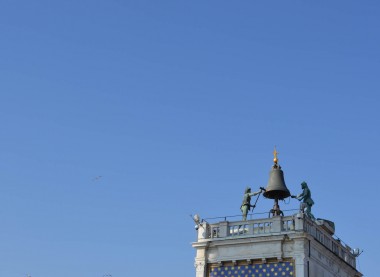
<point>246,205</point>
<point>305,197</point>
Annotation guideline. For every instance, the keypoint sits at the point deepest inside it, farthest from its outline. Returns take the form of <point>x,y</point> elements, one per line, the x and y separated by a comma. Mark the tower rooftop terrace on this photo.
<point>294,225</point>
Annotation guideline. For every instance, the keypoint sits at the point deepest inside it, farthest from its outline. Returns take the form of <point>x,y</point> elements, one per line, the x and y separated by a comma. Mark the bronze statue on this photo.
<point>246,205</point>
<point>305,197</point>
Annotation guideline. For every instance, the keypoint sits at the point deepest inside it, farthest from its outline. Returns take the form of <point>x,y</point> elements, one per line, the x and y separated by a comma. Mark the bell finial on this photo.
<point>275,153</point>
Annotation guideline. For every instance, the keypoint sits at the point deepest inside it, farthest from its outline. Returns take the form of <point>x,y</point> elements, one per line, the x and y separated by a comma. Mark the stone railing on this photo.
<point>255,227</point>
<point>334,245</point>
<point>276,225</point>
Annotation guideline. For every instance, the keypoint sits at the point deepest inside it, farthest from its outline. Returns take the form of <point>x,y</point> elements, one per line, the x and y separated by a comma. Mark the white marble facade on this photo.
<point>311,248</point>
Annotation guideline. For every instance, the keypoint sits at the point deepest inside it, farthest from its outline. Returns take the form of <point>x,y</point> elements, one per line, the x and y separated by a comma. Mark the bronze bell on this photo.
<point>276,188</point>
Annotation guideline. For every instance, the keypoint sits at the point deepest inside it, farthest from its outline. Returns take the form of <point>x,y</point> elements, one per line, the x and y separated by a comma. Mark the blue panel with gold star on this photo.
<point>282,269</point>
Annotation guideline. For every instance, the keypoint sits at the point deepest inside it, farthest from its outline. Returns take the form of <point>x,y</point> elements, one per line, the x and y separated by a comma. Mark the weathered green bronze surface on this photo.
<point>305,197</point>
<point>246,205</point>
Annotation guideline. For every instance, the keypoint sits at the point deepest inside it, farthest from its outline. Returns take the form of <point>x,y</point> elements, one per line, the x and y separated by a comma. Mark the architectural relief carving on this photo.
<point>200,266</point>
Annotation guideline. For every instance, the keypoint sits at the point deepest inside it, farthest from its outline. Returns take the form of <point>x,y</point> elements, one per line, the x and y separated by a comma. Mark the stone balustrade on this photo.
<point>278,225</point>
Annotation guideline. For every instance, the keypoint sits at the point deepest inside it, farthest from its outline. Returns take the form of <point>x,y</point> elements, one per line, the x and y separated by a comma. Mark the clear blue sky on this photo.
<point>177,105</point>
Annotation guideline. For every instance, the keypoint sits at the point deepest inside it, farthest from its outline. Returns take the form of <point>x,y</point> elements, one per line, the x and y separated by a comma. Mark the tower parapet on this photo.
<point>302,244</point>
